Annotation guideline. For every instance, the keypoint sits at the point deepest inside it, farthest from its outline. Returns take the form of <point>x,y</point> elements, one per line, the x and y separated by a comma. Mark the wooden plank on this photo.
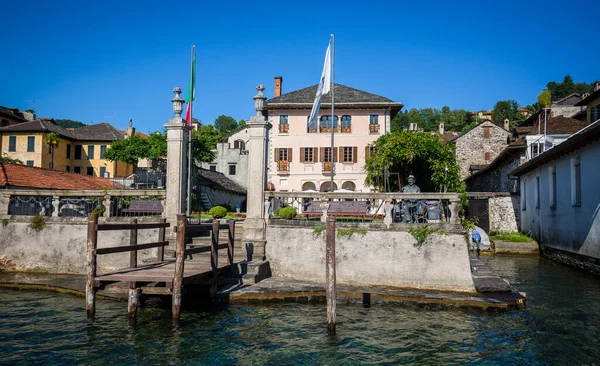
<point>179,268</point>
<point>92,243</point>
<point>160,254</point>
<point>230,241</point>
<point>197,250</point>
<point>143,226</point>
<point>112,250</point>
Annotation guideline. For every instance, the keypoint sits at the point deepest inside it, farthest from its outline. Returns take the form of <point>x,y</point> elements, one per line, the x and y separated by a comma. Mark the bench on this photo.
<point>141,206</point>
<point>338,208</point>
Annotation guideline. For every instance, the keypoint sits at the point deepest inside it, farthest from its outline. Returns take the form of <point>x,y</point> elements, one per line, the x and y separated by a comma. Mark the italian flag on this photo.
<point>191,90</point>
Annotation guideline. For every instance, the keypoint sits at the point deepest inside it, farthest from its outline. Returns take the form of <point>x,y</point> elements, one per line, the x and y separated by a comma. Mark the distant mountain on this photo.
<point>67,123</point>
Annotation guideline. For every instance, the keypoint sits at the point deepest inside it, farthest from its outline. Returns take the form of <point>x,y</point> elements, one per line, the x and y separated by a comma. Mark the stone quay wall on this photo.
<point>375,257</point>
<point>60,247</point>
<point>504,213</point>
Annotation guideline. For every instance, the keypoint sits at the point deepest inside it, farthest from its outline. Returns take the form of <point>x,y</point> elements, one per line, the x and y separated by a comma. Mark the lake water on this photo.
<point>560,326</point>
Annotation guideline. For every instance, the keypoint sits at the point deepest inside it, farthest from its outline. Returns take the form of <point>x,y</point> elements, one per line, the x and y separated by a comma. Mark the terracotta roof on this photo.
<point>140,134</point>
<point>344,96</point>
<point>590,97</point>
<point>219,181</point>
<point>560,125</point>
<point>38,125</point>
<point>15,175</point>
<point>98,132</point>
<point>12,113</point>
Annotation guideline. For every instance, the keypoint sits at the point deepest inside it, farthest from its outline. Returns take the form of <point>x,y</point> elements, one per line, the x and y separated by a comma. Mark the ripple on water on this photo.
<point>560,326</point>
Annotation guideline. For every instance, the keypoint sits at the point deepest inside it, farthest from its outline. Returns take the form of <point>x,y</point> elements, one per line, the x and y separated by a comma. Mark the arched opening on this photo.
<point>309,186</point>
<point>326,187</point>
<point>350,186</point>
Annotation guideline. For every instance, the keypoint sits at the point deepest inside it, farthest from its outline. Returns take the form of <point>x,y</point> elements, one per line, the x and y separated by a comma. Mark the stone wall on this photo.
<point>495,179</point>
<point>218,197</point>
<point>378,257</point>
<point>472,146</point>
<point>60,247</point>
<point>504,213</point>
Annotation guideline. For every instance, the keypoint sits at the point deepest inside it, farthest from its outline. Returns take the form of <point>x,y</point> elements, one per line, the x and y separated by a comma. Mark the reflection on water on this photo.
<point>561,326</point>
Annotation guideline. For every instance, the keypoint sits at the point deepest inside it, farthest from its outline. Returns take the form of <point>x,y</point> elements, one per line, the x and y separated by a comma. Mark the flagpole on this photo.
<point>189,171</point>
<point>332,108</point>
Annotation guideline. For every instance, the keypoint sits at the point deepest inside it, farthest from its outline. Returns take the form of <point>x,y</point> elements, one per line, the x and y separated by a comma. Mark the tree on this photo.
<point>205,140</point>
<point>157,145</point>
<point>53,140</point>
<point>5,159</point>
<point>424,155</point>
<point>429,119</point>
<point>129,150</point>
<point>568,87</point>
<point>241,123</point>
<point>67,123</point>
<point>225,124</point>
<point>544,98</point>
<point>506,109</point>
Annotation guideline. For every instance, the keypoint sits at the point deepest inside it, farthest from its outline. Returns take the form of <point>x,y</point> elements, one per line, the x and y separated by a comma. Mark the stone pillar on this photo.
<point>55,205</point>
<point>4,203</point>
<point>176,164</point>
<point>107,208</point>
<point>254,239</point>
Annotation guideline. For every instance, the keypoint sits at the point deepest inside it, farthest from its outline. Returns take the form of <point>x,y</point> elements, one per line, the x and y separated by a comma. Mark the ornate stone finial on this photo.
<point>177,102</point>
<point>259,100</point>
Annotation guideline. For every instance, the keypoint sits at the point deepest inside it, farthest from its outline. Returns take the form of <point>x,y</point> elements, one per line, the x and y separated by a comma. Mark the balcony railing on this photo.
<point>283,128</point>
<point>403,208</point>
<point>346,129</point>
<point>373,128</point>
<point>72,203</point>
<point>327,166</point>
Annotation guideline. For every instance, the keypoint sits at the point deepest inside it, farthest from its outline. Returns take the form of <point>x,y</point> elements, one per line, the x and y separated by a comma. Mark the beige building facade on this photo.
<point>300,159</point>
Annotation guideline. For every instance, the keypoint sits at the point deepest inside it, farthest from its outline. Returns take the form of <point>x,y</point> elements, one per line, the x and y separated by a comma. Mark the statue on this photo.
<point>410,207</point>
<point>411,187</point>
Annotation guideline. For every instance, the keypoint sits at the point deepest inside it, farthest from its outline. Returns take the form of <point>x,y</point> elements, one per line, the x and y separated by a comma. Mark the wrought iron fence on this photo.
<point>30,205</point>
<point>79,206</point>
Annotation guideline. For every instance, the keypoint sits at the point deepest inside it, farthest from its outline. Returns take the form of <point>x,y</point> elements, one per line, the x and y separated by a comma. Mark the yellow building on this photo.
<point>80,150</point>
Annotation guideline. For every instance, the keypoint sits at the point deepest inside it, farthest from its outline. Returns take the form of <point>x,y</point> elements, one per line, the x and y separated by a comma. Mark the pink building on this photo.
<point>301,160</point>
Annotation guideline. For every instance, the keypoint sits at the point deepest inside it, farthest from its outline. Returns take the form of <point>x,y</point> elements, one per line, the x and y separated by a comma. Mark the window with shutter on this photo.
<point>486,132</point>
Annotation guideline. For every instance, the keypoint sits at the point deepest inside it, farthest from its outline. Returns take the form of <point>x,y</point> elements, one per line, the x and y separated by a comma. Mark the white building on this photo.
<point>231,157</point>
<point>301,160</point>
<point>560,199</point>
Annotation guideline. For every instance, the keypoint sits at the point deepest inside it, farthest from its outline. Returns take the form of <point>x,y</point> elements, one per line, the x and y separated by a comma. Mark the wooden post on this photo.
<point>366,299</point>
<point>330,274</point>
<point>160,254</point>
<point>230,243</point>
<point>179,261</point>
<point>214,257</point>
<point>92,243</point>
<point>214,248</point>
<point>132,304</point>
<point>133,242</point>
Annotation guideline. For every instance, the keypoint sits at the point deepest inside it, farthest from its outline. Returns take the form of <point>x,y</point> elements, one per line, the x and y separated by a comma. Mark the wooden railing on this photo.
<point>183,231</point>
<point>390,207</point>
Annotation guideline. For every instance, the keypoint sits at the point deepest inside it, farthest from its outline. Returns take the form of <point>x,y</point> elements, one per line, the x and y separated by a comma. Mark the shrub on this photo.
<point>227,207</point>
<point>287,213</point>
<point>37,223</point>
<point>218,212</point>
<point>420,234</point>
<point>544,98</point>
<point>4,222</point>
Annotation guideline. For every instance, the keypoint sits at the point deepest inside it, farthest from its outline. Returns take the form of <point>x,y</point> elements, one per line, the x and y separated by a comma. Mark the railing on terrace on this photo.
<point>70,203</point>
<point>140,180</point>
<point>398,207</point>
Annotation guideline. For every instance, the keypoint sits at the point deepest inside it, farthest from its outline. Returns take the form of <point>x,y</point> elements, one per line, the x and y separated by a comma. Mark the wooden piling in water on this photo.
<point>230,242</point>
<point>330,288</point>
<point>179,262</point>
<point>160,254</point>
<point>92,242</point>
<point>214,256</point>
<point>132,304</point>
<point>133,234</point>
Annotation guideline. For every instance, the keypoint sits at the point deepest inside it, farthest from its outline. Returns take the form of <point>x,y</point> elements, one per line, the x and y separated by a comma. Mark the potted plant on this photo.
<point>544,98</point>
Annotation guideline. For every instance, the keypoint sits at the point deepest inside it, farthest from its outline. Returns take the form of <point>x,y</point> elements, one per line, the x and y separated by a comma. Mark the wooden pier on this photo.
<point>163,277</point>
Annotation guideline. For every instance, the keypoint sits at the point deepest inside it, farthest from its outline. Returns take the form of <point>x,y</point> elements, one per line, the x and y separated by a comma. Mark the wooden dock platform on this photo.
<point>163,277</point>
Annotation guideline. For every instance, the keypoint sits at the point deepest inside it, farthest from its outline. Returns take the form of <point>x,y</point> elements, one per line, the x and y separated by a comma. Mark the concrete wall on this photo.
<point>472,146</point>
<point>567,227</point>
<point>380,257</point>
<point>61,246</point>
<point>218,197</point>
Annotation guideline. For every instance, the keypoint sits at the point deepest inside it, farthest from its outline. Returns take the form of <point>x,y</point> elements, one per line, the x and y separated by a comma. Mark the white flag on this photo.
<point>322,89</point>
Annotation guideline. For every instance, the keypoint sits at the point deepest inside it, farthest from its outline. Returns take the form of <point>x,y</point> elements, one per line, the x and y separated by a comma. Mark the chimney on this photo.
<point>597,86</point>
<point>441,128</point>
<point>507,125</point>
<point>278,82</point>
<point>29,114</point>
<point>130,130</point>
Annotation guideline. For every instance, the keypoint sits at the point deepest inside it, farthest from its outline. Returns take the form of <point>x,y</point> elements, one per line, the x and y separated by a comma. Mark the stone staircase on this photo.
<point>243,272</point>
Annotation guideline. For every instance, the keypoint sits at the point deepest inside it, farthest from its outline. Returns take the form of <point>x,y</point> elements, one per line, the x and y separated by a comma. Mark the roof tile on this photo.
<point>15,175</point>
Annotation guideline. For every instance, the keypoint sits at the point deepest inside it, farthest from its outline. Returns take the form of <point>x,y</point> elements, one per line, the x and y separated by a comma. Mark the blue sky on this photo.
<point>109,61</point>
